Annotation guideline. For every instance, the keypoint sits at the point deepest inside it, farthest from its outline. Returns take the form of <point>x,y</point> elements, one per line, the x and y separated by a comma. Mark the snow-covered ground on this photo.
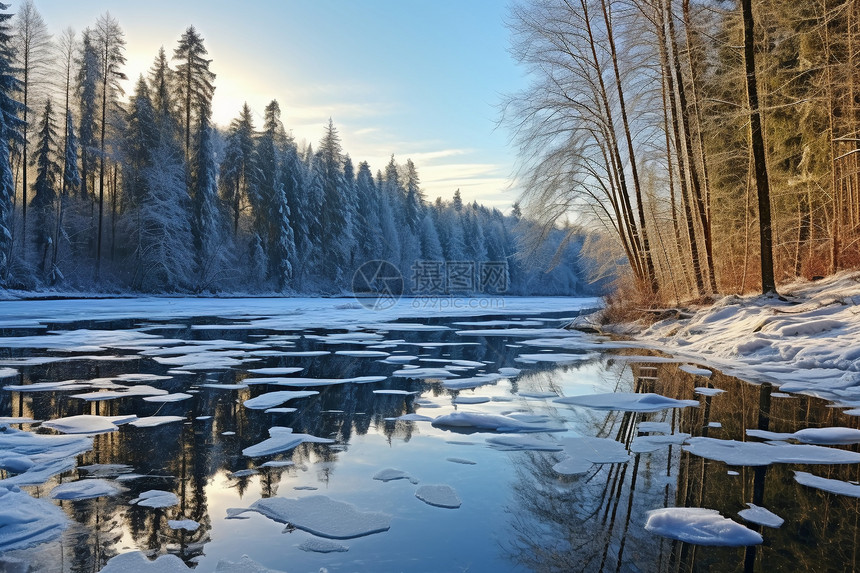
<point>809,343</point>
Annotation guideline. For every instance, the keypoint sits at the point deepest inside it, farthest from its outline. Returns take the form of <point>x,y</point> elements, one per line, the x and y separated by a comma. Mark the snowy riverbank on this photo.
<point>809,343</point>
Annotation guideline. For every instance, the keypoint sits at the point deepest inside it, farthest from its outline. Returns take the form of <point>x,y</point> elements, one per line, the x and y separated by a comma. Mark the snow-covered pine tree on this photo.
<point>272,213</point>
<point>334,224</point>
<point>206,225</point>
<point>237,168</point>
<point>88,80</point>
<point>10,130</point>
<point>194,81</point>
<point>48,173</point>
<point>431,248</point>
<point>367,224</point>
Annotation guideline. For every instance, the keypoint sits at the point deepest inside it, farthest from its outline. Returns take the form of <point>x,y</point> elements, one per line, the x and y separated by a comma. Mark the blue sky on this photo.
<point>419,79</point>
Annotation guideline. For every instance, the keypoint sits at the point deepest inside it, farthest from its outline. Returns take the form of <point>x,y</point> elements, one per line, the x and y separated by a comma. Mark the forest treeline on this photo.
<point>645,116</point>
<point>105,190</point>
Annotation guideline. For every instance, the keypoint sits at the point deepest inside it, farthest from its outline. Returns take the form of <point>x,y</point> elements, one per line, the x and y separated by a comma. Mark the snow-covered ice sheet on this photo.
<point>826,484</point>
<point>765,453</point>
<point>156,498</point>
<point>761,516</point>
<point>317,545</point>
<point>700,526</point>
<point>136,562</point>
<point>26,521</point>
<point>439,495</point>
<point>822,436</point>
<point>280,440</point>
<point>88,424</point>
<point>153,421</point>
<point>392,474</point>
<point>322,516</point>
<point>493,422</point>
<point>85,489</point>
<point>274,399</point>
<point>627,402</point>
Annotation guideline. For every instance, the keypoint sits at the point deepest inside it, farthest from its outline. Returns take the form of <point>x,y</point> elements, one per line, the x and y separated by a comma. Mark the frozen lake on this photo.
<point>466,434</point>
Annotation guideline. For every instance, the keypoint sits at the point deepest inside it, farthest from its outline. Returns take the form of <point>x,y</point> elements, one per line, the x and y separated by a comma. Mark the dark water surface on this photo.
<point>517,513</point>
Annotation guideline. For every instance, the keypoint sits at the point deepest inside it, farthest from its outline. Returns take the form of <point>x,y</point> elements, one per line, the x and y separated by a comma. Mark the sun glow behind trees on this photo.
<point>165,202</point>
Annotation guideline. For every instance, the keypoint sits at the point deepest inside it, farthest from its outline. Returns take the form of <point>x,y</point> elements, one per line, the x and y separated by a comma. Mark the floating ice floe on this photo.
<point>136,562</point>
<point>522,332</point>
<point>215,386</point>
<point>153,421</point>
<point>168,398</point>
<point>105,470</point>
<point>494,422</point>
<point>85,489</point>
<point>391,474</point>
<point>509,372</point>
<point>736,453</point>
<point>704,391</point>
<point>156,498</point>
<point>761,516</point>
<point>627,402</point>
<point>322,516</point>
<point>411,418</point>
<point>555,357</point>
<point>18,420</point>
<point>362,353</point>
<point>311,382</point>
<point>395,392</point>
<point>280,410</point>
<point>695,371</point>
<point>243,473</point>
<point>471,382</point>
<point>471,400</point>
<point>652,443</point>
<point>316,545</point>
<point>278,464</point>
<point>423,373</point>
<point>498,323</point>
<point>820,436</point>
<point>826,484</point>
<point>273,399</point>
<point>462,461</point>
<point>276,371</point>
<point>700,526</point>
<point>305,353</point>
<point>400,359</point>
<point>8,373</point>
<point>244,565</point>
<point>63,386</point>
<point>281,439</point>
<point>186,524</point>
<point>439,495</point>
<point>582,453</point>
<point>26,521</point>
<point>88,424</point>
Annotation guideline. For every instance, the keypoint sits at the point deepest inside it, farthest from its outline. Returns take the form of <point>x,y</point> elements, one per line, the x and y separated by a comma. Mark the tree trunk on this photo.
<point>768,282</point>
